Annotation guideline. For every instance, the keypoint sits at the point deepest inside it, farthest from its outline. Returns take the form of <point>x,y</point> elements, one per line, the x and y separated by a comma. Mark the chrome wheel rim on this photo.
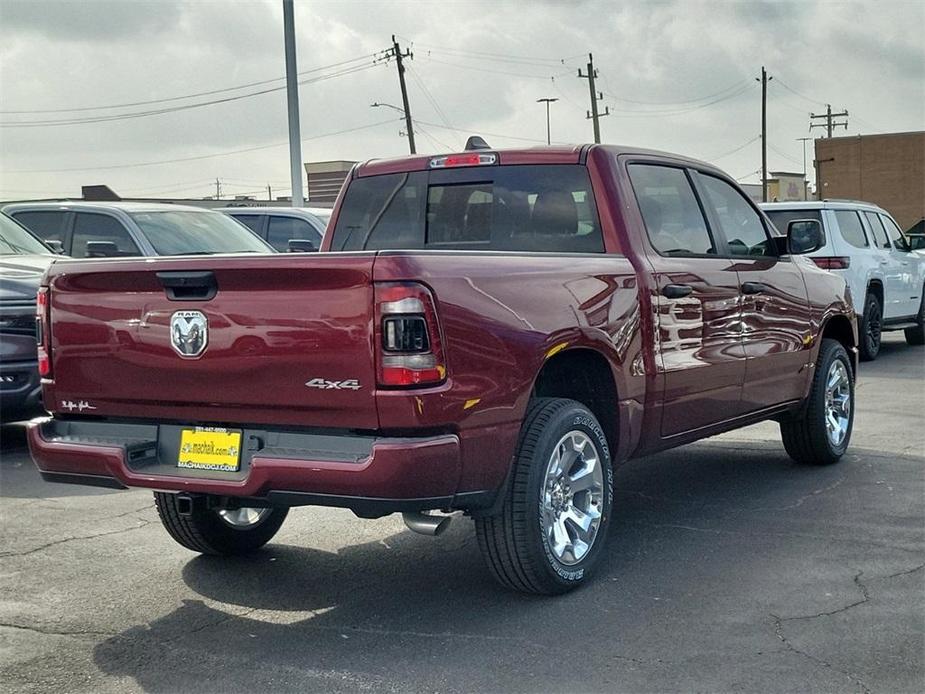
<point>837,403</point>
<point>571,504</point>
<point>244,517</point>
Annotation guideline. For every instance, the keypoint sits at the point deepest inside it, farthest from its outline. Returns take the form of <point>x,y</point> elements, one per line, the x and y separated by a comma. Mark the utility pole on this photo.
<point>547,101</point>
<point>805,180</point>
<point>269,193</point>
<point>828,116</point>
<point>292,99</point>
<point>396,51</point>
<point>595,97</point>
<point>764,79</point>
<point>218,189</point>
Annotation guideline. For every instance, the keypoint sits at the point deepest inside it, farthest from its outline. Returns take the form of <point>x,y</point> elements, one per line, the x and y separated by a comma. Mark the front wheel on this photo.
<point>552,527</point>
<point>219,531</point>
<point>821,434</point>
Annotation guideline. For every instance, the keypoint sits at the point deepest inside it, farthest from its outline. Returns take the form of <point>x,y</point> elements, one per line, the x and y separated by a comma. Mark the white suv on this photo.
<point>866,247</point>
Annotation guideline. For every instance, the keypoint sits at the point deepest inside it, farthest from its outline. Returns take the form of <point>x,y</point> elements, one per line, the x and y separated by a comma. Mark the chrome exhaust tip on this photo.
<point>426,524</point>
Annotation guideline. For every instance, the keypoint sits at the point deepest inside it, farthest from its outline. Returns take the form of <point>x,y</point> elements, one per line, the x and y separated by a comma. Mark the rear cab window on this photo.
<point>548,208</point>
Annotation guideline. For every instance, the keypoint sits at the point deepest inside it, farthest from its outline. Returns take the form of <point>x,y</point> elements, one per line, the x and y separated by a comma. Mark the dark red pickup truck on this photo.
<point>489,332</point>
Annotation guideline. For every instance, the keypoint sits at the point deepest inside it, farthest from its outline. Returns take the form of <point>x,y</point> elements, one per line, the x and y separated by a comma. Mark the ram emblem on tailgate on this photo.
<point>189,333</point>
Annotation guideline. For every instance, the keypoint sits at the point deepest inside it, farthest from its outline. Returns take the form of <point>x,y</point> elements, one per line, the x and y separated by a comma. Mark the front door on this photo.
<point>775,315</point>
<point>699,346</point>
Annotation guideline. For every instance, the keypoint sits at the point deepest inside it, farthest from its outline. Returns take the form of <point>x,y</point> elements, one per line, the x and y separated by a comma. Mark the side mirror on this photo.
<point>55,246</point>
<point>804,236</point>
<point>102,249</point>
<point>301,246</point>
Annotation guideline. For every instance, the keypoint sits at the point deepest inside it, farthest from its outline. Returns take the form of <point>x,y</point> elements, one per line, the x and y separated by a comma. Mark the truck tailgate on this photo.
<point>288,339</point>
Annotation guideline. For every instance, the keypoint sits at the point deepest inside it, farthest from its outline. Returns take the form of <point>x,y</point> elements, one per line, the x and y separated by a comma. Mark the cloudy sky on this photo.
<point>676,75</point>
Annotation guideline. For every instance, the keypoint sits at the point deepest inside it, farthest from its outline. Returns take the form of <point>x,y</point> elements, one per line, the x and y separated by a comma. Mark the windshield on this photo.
<point>186,232</point>
<point>15,240</point>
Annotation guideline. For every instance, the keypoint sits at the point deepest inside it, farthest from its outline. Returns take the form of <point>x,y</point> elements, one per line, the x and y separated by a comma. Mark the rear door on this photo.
<point>246,339</point>
<point>909,267</point>
<point>699,340</point>
<point>775,311</point>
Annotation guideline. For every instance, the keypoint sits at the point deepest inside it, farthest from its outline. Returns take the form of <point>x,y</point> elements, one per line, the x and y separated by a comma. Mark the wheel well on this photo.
<point>839,328</point>
<point>583,375</point>
<point>876,288</point>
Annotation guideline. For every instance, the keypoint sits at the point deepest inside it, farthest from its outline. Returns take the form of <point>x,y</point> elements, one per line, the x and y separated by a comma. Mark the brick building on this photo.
<point>888,170</point>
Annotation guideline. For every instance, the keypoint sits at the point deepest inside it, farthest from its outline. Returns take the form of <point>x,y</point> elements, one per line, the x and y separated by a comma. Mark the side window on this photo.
<point>851,230</point>
<point>48,226</point>
<point>100,227</point>
<point>281,229</point>
<point>741,224</point>
<point>251,221</point>
<point>900,242</point>
<point>880,236</point>
<point>673,219</point>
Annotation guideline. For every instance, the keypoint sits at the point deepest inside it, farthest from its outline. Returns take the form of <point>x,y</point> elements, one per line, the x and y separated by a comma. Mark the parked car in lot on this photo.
<point>23,260</point>
<point>865,245</point>
<point>125,229</point>
<point>487,332</point>
<point>284,228</point>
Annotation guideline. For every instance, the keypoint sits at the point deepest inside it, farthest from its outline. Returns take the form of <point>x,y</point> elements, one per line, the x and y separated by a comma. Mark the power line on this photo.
<point>680,111</point>
<point>173,109</point>
<point>493,57</point>
<point>470,131</point>
<point>508,73</point>
<point>684,102</point>
<point>189,96</point>
<point>429,97</point>
<point>733,151</point>
<point>203,156</point>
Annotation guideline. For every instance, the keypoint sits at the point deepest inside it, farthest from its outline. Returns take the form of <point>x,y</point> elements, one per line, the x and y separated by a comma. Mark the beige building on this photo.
<point>325,179</point>
<point>888,170</point>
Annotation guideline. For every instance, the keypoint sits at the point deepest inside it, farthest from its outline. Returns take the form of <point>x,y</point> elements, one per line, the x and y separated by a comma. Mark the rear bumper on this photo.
<point>371,475</point>
<point>20,390</point>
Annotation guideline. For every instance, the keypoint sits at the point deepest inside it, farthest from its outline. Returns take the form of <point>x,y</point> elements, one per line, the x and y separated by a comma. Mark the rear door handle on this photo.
<point>753,288</point>
<point>677,291</point>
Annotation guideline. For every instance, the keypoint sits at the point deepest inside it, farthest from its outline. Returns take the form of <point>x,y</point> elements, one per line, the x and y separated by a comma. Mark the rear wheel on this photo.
<point>552,527</point>
<point>916,335</point>
<point>219,531</point>
<point>821,434</point>
<point>871,328</point>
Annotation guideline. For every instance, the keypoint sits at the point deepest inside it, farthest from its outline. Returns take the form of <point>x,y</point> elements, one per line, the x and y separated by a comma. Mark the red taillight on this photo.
<point>833,262</point>
<point>42,337</point>
<point>409,349</point>
<point>468,159</point>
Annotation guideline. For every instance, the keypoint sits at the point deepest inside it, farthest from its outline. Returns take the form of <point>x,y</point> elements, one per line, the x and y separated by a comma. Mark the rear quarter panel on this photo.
<point>502,316</point>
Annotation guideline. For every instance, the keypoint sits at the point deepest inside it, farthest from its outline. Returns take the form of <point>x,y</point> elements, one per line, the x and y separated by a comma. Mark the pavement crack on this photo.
<point>865,597</point>
<point>903,573</point>
<point>141,524</point>
<point>55,632</point>
<point>779,632</point>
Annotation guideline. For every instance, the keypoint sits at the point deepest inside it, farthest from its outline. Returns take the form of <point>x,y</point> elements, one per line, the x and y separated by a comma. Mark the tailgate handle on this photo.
<point>199,285</point>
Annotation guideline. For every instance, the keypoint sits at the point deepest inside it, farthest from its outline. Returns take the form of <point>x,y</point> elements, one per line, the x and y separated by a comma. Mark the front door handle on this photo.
<point>677,291</point>
<point>753,288</point>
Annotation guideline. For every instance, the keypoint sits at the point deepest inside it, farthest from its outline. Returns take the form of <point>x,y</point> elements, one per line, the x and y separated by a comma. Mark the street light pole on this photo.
<point>377,104</point>
<point>292,94</point>
<point>547,101</point>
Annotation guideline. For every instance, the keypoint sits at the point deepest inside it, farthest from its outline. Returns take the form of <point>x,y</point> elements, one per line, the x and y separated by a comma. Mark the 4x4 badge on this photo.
<point>324,384</point>
<point>189,333</point>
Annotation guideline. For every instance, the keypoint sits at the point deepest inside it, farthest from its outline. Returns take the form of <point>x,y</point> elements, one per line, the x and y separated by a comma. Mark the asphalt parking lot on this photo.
<point>728,569</point>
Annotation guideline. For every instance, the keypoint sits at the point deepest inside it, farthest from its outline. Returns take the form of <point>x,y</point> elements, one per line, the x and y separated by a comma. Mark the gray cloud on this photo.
<point>483,64</point>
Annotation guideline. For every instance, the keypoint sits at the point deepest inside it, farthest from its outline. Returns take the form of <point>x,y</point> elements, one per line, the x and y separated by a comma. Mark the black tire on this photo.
<point>916,335</point>
<point>513,542</point>
<point>206,532</point>
<point>871,328</point>
<point>805,436</point>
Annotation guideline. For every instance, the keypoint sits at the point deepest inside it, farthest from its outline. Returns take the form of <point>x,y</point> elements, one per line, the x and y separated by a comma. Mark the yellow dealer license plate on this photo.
<point>210,448</point>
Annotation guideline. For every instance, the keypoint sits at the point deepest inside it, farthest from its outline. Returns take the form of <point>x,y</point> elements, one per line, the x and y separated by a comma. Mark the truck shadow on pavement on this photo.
<point>410,612</point>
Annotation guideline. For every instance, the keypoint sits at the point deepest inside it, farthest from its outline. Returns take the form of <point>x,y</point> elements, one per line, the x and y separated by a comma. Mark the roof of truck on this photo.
<point>545,154</point>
